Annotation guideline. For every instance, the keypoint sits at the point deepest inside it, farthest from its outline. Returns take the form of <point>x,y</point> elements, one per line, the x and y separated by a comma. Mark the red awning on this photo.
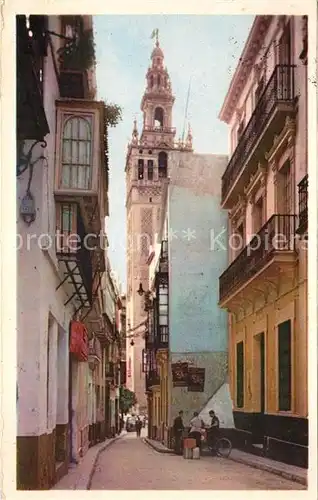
<point>79,341</point>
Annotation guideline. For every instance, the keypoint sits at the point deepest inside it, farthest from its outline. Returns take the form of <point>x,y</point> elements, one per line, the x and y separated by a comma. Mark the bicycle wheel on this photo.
<point>223,447</point>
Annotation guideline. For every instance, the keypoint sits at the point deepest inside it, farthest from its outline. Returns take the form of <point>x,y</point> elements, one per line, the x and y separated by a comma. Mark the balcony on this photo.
<point>81,159</point>
<point>109,370</point>
<point>152,378</point>
<point>31,119</point>
<point>276,102</point>
<point>269,255</point>
<point>94,352</point>
<point>74,84</point>
<point>73,257</point>
<point>303,206</point>
<point>162,338</point>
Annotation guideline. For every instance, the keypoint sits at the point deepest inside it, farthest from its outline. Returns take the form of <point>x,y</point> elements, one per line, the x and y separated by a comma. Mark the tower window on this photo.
<point>140,151</point>
<point>159,81</point>
<point>162,164</point>
<point>150,152</point>
<point>159,117</point>
<point>150,170</point>
<point>140,169</point>
<point>151,81</point>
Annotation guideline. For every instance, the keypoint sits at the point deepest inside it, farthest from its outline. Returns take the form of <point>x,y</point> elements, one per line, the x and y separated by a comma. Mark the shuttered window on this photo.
<point>284,366</point>
<point>240,375</point>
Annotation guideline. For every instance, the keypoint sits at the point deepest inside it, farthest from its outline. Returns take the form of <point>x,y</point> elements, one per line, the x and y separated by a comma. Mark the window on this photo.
<point>258,215</point>
<point>77,154</point>
<point>240,131</point>
<point>240,375</point>
<point>286,189</point>
<point>151,81</point>
<point>66,227</point>
<point>284,366</point>
<point>239,240</point>
<point>259,90</point>
<point>163,305</point>
<point>150,170</point>
<point>162,164</point>
<point>158,117</point>
<point>140,169</point>
<point>144,361</point>
<point>284,48</point>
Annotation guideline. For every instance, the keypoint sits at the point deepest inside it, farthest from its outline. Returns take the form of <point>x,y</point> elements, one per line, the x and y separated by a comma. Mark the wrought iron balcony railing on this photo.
<point>279,89</point>
<point>277,235</point>
<point>303,205</point>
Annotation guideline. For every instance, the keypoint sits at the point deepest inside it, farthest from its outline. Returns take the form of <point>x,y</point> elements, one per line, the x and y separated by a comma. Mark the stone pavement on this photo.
<point>131,464</point>
<point>290,472</point>
<point>79,476</point>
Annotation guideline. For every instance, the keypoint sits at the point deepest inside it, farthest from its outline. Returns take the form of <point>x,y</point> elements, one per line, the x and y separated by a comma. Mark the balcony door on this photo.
<point>284,47</point>
<point>284,59</point>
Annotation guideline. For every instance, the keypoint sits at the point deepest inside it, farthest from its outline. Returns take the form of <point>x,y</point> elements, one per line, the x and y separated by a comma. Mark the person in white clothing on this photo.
<point>196,426</point>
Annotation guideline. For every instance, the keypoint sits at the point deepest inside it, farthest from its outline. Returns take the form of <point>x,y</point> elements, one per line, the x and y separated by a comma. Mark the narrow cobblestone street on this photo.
<point>130,464</point>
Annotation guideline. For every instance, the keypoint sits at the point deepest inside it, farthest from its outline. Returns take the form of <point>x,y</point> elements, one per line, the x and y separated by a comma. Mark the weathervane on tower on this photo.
<point>155,34</point>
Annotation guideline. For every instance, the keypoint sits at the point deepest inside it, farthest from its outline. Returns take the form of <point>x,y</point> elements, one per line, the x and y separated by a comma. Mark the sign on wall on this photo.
<point>179,374</point>
<point>196,379</point>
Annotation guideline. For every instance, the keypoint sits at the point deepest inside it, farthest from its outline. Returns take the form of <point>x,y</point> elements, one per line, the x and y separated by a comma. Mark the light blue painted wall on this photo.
<point>196,322</point>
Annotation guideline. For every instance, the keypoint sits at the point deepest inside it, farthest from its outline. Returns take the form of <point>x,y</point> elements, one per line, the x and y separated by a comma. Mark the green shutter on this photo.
<point>240,375</point>
<point>284,366</point>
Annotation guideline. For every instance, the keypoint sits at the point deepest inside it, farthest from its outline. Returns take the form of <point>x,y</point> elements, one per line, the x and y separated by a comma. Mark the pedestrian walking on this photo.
<point>138,426</point>
<point>178,429</point>
<point>196,426</point>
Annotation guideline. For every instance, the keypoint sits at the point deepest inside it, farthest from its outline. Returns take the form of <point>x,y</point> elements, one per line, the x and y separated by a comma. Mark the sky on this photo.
<point>204,49</point>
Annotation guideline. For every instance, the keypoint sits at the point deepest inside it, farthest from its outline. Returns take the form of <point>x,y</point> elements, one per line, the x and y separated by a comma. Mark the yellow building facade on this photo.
<point>264,289</point>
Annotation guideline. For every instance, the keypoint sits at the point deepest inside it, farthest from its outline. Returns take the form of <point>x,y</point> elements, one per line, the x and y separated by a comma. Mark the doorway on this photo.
<point>262,371</point>
<point>259,374</point>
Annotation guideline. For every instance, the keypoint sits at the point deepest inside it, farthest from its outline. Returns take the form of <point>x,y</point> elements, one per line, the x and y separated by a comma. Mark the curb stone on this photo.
<point>272,470</point>
<point>290,476</point>
<point>158,448</point>
<point>90,476</point>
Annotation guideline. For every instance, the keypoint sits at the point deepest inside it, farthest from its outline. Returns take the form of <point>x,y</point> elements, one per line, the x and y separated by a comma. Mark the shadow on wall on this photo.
<point>221,403</point>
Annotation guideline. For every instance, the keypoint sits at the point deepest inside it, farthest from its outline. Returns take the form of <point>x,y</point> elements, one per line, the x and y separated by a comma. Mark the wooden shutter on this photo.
<point>284,366</point>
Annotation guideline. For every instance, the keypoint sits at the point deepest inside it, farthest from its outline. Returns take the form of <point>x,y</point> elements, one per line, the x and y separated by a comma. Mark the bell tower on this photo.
<point>146,172</point>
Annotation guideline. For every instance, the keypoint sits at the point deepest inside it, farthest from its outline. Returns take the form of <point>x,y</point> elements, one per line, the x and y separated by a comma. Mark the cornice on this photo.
<point>245,65</point>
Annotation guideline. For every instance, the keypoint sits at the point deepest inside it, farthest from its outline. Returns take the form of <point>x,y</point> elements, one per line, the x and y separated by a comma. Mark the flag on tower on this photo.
<point>155,33</point>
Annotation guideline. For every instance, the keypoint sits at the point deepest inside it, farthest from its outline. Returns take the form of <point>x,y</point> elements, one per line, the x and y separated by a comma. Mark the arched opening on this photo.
<point>159,80</point>
<point>159,117</point>
<point>151,81</point>
<point>162,164</point>
<point>140,169</point>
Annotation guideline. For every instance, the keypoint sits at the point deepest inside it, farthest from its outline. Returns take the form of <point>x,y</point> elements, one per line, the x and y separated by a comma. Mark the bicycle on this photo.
<point>222,446</point>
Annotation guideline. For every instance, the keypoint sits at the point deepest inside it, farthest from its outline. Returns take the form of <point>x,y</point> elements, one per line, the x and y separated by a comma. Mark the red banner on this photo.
<point>79,341</point>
